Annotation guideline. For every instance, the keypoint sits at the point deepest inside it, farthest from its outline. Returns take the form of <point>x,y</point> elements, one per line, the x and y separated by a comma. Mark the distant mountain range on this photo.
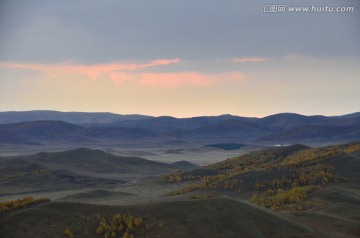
<point>32,131</point>
<point>36,127</point>
<point>71,117</point>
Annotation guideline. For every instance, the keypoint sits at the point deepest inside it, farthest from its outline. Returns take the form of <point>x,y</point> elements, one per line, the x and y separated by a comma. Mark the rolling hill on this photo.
<point>276,172</point>
<point>211,218</point>
<point>75,168</point>
<point>97,161</point>
<point>316,187</point>
<point>285,128</point>
<point>42,131</point>
<point>269,179</point>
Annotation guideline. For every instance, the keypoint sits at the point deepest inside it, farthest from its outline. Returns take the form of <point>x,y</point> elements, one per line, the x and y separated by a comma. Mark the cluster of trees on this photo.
<point>258,159</point>
<point>350,148</point>
<point>207,182</point>
<point>40,171</point>
<point>295,198</point>
<point>299,185</point>
<point>319,174</point>
<point>177,177</point>
<point>68,233</point>
<point>228,184</point>
<point>214,182</point>
<point>17,175</point>
<point>121,225</point>
<point>306,156</point>
<point>185,189</point>
<point>213,194</point>
<point>22,203</point>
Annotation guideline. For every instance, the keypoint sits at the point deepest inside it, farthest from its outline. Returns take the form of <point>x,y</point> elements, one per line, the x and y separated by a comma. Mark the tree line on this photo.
<point>26,202</point>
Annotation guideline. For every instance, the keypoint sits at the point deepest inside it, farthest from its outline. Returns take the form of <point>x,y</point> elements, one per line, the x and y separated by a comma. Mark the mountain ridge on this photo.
<point>280,128</point>
<point>71,117</point>
<point>75,117</point>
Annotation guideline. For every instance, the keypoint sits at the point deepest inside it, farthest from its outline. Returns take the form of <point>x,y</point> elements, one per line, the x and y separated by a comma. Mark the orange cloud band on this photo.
<point>91,71</point>
<point>121,73</point>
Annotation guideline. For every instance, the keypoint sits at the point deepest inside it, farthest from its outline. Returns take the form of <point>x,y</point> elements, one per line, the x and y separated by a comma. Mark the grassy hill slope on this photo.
<point>219,217</point>
<point>317,187</point>
<point>277,178</point>
<point>75,169</point>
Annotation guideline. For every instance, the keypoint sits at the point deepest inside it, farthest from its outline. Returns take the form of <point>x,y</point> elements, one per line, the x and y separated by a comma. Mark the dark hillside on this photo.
<point>98,161</point>
<point>292,120</point>
<point>314,133</point>
<point>80,168</point>
<point>211,218</point>
<point>268,175</point>
<point>86,160</point>
<point>47,131</point>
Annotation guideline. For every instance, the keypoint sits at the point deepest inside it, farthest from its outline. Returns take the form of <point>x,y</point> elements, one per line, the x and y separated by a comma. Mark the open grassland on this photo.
<point>210,217</point>
<point>291,191</point>
<point>219,217</point>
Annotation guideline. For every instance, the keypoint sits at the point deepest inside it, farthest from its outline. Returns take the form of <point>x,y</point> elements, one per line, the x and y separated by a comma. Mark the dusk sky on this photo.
<point>180,58</point>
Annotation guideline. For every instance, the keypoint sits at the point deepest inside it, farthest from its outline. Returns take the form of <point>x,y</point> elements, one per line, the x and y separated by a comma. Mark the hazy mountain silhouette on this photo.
<point>279,128</point>
<point>72,117</point>
<point>27,132</point>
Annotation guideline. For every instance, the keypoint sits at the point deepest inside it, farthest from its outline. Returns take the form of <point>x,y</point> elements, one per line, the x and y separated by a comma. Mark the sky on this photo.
<point>180,58</point>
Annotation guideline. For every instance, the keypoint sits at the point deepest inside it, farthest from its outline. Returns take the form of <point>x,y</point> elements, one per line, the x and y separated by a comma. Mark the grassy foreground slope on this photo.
<point>285,173</point>
<point>339,215</point>
<point>219,217</point>
<point>317,187</point>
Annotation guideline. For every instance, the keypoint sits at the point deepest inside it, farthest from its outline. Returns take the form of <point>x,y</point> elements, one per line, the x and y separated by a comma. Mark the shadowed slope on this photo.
<point>206,218</point>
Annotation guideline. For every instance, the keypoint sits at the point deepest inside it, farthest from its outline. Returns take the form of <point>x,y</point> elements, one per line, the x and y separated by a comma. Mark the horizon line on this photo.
<point>179,117</point>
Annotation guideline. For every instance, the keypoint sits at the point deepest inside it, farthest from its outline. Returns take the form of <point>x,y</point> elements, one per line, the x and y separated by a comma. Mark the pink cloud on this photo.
<point>91,71</point>
<point>121,73</point>
<point>250,60</point>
